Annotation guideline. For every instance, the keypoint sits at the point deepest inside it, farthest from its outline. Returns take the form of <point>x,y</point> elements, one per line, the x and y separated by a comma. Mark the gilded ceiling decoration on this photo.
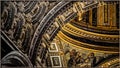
<point>59,34</point>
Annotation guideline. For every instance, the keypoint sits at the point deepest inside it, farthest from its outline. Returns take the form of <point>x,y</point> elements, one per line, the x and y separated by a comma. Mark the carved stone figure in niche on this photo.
<point>27,38</point>
<point>10,18</point>
<point>14,25</point>
<point>22,36</point>
<point>18,25</point>
<point>67,49</point>
<point>18,29</point>
<point>12,30</point>
<point>79,58</point>
<point>91,59</point>
<point>71,61</point>
<point>28,33</point>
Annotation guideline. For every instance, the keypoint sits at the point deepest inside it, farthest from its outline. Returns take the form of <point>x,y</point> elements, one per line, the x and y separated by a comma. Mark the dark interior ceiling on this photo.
<point>28,28</point>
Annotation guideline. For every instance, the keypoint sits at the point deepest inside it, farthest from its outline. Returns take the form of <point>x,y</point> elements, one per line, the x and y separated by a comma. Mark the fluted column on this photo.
<point>100,15</point>
<point>112,15</point>
<point>90,16</point>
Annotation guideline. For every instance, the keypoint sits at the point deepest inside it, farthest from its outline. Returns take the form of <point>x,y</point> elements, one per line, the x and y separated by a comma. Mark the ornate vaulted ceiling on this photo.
<point>60,33</point>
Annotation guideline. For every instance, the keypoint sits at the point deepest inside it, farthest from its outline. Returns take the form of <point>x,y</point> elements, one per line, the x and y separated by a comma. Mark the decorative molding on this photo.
<point>53,47</point>
<point>90,35</point>
<point>56,61</point>
<point>110,62</point>
<point>87,46</point>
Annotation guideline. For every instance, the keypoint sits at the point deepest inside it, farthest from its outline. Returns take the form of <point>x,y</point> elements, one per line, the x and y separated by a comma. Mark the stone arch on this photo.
<point>16,58</point>
<point>40,31</point>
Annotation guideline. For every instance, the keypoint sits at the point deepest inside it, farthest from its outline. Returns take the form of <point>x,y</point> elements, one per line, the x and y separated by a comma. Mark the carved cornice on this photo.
<point>90,35</point>
<point>87,46</point>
